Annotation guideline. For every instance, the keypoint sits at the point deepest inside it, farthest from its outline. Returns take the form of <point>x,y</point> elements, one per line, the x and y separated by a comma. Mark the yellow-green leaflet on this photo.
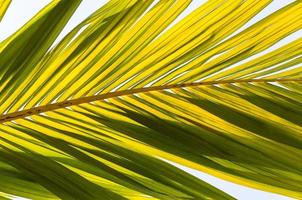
<point>3,7</point>
<point>106,112</point>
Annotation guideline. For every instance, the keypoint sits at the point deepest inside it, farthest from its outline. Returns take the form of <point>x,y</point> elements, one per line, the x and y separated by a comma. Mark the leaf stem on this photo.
<point>67,103</point>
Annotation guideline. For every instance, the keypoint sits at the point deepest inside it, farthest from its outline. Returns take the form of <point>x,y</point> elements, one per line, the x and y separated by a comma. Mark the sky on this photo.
<point>20,11</point>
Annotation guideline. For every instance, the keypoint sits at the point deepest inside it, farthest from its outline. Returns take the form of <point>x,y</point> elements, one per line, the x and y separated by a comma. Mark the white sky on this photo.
<point>20,11</point>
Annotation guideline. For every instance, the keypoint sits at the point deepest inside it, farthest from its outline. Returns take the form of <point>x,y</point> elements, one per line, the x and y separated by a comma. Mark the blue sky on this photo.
<point>22,10</point>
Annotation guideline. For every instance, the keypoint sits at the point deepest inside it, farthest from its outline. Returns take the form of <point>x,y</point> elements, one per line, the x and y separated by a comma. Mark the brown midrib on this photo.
<point>67,103</point>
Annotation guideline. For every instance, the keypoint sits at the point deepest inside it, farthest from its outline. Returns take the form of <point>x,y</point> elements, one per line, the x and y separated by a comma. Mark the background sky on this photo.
<point>20,11</point>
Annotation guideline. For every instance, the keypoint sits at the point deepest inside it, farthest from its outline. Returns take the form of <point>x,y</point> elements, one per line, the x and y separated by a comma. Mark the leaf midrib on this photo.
<point>51,107</point>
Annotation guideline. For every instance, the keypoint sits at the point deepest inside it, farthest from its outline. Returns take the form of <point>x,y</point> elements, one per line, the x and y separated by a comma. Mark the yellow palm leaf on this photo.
<point>3,7</point>
<point>106,112</point>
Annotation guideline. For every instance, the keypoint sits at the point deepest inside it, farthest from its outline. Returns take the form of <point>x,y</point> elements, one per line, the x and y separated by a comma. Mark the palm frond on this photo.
<point>106,112</point>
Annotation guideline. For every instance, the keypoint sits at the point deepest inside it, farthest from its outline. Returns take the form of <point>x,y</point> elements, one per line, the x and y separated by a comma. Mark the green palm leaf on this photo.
<point>105,113</point>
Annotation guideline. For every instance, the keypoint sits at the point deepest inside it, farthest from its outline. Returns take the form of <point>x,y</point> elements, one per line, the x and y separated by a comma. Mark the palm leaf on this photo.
<point>3,7</point>
<point>106,112</point>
